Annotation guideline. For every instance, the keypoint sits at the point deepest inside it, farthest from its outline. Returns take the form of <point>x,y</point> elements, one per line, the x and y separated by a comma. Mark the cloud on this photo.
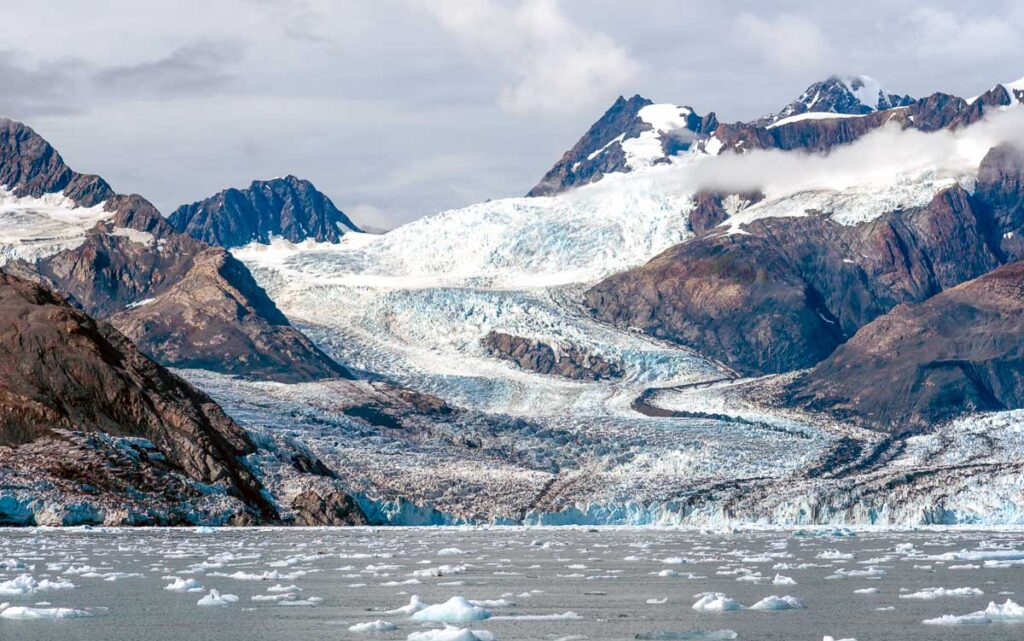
<point>193,68</point>
<point>42,89</point>
<point>946,35</point>
<point>556,66</point>
<point>790,43</point>
<point>886,156</point>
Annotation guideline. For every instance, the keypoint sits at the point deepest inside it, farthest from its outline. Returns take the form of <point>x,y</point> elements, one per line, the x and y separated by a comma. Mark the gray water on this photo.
<point>604,576</point>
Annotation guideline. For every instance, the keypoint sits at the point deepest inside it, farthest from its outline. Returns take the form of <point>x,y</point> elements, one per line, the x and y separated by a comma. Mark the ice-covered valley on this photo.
<point>672,439</point>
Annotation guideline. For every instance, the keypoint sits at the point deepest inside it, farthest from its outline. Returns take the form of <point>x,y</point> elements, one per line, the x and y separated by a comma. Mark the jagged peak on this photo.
<point>842,94</point>
<point>288,207</point>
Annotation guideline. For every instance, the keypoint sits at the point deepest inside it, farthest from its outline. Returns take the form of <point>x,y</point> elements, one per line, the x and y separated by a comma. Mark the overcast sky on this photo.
<point>399,108</point>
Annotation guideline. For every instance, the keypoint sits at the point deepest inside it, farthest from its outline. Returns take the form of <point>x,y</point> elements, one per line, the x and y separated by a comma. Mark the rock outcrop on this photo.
<point>333,508</point>
<point>959,352</point>
<point>289,208</point>
<point>538,356</point>
<point>67,373</point>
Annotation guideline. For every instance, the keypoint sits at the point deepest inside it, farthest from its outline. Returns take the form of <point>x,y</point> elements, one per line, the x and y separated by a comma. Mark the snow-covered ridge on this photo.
<point>33,228</point>
<point>577,236</point>
<point>810,115</point>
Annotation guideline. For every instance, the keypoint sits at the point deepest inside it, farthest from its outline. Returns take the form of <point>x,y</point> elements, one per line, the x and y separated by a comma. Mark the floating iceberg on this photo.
<point>455,610</point>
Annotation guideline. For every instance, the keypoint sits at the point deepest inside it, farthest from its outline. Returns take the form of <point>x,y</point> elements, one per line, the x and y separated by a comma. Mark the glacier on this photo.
<point>411,308</point>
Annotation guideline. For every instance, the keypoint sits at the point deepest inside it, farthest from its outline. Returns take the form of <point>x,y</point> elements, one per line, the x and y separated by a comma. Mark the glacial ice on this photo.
<point>216,599</point>
<point>1008,612</point>
<point>24,613</point>
<point>373,626</point>
<point>451,633</point>
<point>778,603</point>
<point>716,602</point>
<point>455,610</point>
<point>184,585</point>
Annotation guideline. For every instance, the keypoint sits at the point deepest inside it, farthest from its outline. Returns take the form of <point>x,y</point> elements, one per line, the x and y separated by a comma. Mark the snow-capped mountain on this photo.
<point>678,326</point>
<point>288,208</point>
<point>529,309</point>
<point>632,134</point>
<point>183,302</point>
<point>850,95</point>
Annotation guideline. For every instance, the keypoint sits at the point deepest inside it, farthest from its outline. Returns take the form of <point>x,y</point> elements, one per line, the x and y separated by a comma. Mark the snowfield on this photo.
<point>34,228</point>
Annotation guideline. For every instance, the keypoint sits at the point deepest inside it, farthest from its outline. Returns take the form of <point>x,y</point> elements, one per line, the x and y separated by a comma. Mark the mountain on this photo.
<point>851,95</point>
<point>779,297</point>
<point>636,133</point>
<point>957,352</point>
<point>185,303</point>
<point>632,134</point>
<point>70,384</point>
<point>655,344</point>
<point>288,208</point>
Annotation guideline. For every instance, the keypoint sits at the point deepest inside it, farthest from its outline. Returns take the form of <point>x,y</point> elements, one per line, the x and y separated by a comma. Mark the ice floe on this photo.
<point>455,610</point>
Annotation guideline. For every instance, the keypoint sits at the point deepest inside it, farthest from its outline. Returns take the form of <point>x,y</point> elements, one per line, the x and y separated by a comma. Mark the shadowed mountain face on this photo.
<point>63,371</point>
<point>784,294</point>
<point>288,208</point>
<point>29,166</point>
<point>958,352</point>
<point>185,303</point>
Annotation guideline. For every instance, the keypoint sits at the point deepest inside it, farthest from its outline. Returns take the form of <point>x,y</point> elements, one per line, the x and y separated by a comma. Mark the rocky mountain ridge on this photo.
<point>66,374</point>
<point>288,208</point>
<point>181,300</point>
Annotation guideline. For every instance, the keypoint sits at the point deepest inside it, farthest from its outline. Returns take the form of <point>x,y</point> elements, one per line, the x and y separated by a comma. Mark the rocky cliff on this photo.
<point>65,374</point>
<point>288,208</point>
<point>959,352</point>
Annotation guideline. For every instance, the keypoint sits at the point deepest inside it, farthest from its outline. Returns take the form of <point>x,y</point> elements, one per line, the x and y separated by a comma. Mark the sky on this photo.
<point>400,108</point>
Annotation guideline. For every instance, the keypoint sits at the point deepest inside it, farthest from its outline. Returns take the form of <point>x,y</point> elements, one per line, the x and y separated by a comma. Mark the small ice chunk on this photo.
<point>451,633</point>
<point>783,580</point>
<point>1006,612</point>
<point>216,599</point>
<point>455,610</point>
<point>184,585</point>
<point>716,602</point>
<point>373,626</point>
<point>689,635</point>
<point>778,603</point>
<point>929,594</point>
<point>27,614</point>
<point>415,605</point>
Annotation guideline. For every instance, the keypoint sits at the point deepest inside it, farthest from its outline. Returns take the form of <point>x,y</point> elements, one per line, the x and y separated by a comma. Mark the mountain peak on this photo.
<point>842,94</point>
<point>288,207</point>
<point>632,133</point>
<point>30,166</point>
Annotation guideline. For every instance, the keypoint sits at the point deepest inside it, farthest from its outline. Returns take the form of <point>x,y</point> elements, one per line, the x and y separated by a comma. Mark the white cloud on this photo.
<point>556,66</point>
<point>884,156</point>
<point>790,43</point>
<point>942,34</point>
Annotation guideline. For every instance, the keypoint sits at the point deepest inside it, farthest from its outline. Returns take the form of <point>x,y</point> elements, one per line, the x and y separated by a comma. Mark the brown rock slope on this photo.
<point>958,352</point>
<point>184,303</point>
<point>787,292</point>
<point>63,371</point>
